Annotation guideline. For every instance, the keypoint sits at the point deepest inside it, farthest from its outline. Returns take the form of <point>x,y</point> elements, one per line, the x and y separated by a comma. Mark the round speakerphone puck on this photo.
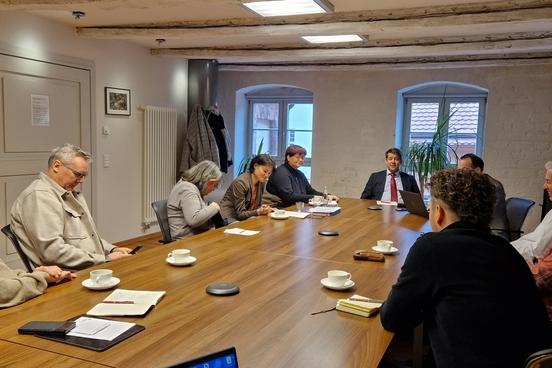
<point>222,289</point>
<point>328,233</point>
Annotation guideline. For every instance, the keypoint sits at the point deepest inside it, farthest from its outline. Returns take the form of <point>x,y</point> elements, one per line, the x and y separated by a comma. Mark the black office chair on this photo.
<point>516,211</point>
<point>540,359</point>
<point>160,208</point>
<point>9,233</point>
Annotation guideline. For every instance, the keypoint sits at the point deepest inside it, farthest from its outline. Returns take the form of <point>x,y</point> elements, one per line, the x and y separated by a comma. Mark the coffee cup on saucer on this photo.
<point>101,277</point>
<point>316,200</point>
<point>338,278</point>
<point>280,213</point>
<point>385,245</point>
<point>179,255</point>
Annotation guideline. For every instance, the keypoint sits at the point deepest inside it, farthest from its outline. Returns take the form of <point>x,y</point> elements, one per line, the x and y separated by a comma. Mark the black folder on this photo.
<point>94,344</point>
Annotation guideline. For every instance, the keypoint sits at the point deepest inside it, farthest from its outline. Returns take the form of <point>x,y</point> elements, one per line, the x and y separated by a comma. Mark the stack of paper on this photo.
<point>359,305</point>
<point>324,210</point>
<point>127,303</point>
<point>238,231</point>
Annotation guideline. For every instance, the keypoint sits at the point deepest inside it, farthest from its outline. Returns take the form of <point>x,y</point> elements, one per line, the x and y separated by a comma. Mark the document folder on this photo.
<point>94,344</point>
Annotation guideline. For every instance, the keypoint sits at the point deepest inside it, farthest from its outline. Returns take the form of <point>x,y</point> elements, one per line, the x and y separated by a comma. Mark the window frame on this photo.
<point>444,104</point>
<point>282,123</point>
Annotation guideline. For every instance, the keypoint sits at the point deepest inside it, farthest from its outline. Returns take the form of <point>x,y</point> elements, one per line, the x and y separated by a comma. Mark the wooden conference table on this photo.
<point>269,321</point>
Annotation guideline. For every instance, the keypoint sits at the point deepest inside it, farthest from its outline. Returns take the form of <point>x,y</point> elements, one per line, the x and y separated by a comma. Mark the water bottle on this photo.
<point>325,200</point>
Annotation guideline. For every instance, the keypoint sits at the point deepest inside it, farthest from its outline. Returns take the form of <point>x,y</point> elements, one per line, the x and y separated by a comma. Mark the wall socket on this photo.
<point>106,130</point>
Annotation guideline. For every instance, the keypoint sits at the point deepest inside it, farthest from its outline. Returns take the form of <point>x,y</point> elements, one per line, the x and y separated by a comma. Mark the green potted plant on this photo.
<point>425,158</point>
<point>246,161</point>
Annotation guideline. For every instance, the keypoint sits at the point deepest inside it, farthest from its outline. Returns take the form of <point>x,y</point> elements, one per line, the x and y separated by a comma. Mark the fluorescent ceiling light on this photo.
<point>275,8</point>
<point>329,39</point>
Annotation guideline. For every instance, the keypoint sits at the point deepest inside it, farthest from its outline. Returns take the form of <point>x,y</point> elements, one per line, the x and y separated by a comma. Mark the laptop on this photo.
<point>226,358</point>
<point>414,203</point>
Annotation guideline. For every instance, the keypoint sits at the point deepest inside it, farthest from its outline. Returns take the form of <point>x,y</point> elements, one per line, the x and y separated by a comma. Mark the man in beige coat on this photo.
<point>52,220</point>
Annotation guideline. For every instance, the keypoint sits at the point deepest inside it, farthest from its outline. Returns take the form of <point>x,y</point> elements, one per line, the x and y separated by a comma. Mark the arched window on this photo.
<point>280,116</point>
<point>421,105</point>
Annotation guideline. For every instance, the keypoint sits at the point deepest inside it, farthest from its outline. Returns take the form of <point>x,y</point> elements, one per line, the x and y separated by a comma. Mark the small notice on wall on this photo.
<point>40,110</point>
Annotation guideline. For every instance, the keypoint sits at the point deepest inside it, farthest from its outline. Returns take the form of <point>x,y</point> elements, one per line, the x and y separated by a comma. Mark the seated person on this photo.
<point>383,185</point>
<point>17,286</point>
<point>187,211</point>
<point>535,244</point>
<point>542,272</point>
<point>499,222</point>
<point>473,292</point>
<point>52,220</point>
<point>288,184</point>
<point>244,196</point>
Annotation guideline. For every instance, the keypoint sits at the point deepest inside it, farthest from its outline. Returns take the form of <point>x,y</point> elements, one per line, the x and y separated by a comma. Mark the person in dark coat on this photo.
<point>471,289</point>
<point>380,186</point>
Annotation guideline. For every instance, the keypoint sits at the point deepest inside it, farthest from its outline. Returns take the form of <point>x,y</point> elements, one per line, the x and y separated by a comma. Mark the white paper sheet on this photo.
<point>297,214</point>
<point>87,326</point>
<point>238,231</point>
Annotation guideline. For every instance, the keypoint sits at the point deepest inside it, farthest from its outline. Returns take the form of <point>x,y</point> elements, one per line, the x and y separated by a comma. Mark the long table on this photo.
<point>269,321</point>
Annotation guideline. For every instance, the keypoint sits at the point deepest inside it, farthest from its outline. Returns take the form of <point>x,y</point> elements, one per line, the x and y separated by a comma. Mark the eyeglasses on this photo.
<point>77,174</point>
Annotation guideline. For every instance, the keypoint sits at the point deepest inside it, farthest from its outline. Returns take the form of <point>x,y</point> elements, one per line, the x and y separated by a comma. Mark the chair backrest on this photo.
<point>540,359</point>
<point>9,233</point>
<point>160,208</point>
<point>516,211</point>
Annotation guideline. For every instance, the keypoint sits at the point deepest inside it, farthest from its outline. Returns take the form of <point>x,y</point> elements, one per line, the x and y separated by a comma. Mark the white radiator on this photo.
<point>159,157</point>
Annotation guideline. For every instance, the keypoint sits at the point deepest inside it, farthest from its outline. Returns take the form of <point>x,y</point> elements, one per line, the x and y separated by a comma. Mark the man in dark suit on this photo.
<point>472,290</point>
<point>499,221</point>
<point>383,185</point>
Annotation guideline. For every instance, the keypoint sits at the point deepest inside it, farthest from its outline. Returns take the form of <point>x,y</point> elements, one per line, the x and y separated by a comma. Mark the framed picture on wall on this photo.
<point>117,101</point>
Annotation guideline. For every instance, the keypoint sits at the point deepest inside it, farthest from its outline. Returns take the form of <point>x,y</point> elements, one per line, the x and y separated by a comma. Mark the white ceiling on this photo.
<point>398,32</point>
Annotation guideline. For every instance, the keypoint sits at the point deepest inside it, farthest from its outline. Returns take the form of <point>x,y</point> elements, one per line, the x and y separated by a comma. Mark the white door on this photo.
<point>42,105</point>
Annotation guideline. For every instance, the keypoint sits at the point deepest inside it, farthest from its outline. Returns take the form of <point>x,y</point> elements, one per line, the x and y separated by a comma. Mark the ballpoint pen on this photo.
<point>118,302</point>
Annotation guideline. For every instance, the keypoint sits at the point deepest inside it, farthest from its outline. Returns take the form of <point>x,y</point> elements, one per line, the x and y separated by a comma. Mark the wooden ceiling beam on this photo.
<point>454,49</point>
<point>241,28</point>
<point>425,63</point>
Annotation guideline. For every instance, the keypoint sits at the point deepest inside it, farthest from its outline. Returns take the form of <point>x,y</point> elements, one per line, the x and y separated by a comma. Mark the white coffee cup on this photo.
<point>101,277</point>
<point>280,213</point>
<point>317,200</point>
<point>179,254</point>
<point>338,277</point>
<point>385,245</point>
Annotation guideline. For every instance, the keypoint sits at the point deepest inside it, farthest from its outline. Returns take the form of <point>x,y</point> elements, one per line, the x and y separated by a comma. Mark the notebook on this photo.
<point>123,302</point>
<point>414,203</point>
<point>226,358</point>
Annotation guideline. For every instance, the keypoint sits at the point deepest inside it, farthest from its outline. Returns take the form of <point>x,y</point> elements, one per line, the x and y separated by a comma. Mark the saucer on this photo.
<point>349,284</point>
<point>384,251</point>
<point>276,217</point>
<point>188,261</point>
<point>90,285</point>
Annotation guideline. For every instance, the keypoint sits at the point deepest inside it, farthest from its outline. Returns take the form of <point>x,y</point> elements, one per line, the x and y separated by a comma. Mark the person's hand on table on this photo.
<point>265,209</point>
<point>124,250</point>
<point>55,274</point>
<point>117,255</point>
<point>332,197</point>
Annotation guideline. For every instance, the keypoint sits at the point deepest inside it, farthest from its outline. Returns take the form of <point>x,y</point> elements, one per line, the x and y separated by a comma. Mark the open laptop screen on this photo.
<point>221,359</point>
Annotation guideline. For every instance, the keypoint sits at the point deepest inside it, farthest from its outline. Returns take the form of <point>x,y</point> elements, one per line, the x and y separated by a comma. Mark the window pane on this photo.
<point>303,139</point>
<point>307,171</point>
<point>462,144</point>
<point>265,115</point>
<point>299,116</point>
<point>465,118</point>
<point>423,120</point>
<point>270,141</point>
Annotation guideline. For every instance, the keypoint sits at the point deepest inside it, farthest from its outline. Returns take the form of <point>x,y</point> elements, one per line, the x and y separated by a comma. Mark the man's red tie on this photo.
<point>394,197</point>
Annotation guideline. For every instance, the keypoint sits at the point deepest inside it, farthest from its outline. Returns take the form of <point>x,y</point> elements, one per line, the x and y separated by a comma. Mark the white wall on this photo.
<point>152,81</point>
<point>355,111</point>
